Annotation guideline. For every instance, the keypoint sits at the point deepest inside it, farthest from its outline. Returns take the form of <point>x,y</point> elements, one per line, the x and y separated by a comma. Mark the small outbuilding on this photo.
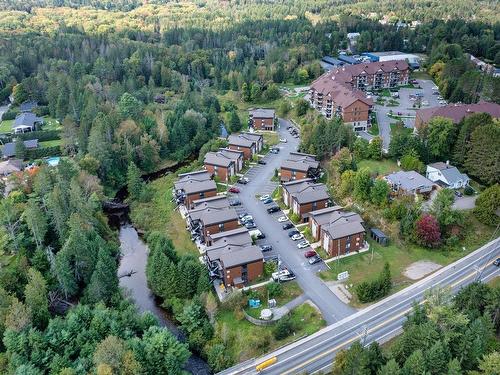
<point>379,236</point>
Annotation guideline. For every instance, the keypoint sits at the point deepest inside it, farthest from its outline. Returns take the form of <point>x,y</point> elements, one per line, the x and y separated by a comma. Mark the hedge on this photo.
<point>42,135</point>
<point>10,114</point>
<point>43,152</point>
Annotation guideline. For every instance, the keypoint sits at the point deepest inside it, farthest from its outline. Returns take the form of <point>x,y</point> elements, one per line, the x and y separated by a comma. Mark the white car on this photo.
<point>297,237</point>
<point>246,218</point>
<point>443,102</point>
<point>282,219</point>
<point>264,197</point>
<point>284,275</point>
<point>303,244</point>
<point>283,140</point>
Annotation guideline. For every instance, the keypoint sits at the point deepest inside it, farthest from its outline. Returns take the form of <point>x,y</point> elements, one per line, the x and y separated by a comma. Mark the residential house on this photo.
<point>304,196</point>
<point>10,166</point>
<point>219,165</point>
<point>455,112</point>
<point>446,175</point>
<point>343,234</point>
<point>249,143</point>
<point>237,156</point>
<point>299,166</point>
<point>9,149</point>
<point>28,106</point>
<point>235,265</point>
<point>319,218</point>
<point>262,119</point>
<point>409,183</point>
<point>193,186</point>
<point>26,122</point>
<point>217,201</point>
<point>238,237</point>
<point>212,220</point>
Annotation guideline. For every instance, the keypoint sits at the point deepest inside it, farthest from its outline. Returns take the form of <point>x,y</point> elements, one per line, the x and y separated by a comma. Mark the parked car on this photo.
<point>235,202</point>
<point>243,180</point>
<point>260,235</point>
<point>275,150</point>
<point>458,194</point>
<point>283,275</point>
<point>414,82</point>
<point>297,236</point>
<point>246,218</point>
<point>283,140</point>
<point>303,244</point>
<point>497,262</point>
<point>234,189</point>
<point>293,233</point>
<point>250,225</point>
<point>273,209</point>
<point>296,135</point>
<point>282,219</point>
<point>287,226</point>
<point>315,259</point>
<point>268,200</point>
<point>310,253</point>
<point>266,247</point>
<point>242,215</point>
<point>435,93</point>
<point>264,197</point>
<point>443,102</point>
<point>260,161</point>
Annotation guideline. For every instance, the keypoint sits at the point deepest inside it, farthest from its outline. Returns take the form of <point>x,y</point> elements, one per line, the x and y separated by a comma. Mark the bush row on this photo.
<point>43,152</point>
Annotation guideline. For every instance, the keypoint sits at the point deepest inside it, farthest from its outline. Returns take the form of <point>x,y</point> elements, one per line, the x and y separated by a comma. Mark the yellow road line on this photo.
<point>385,322</point>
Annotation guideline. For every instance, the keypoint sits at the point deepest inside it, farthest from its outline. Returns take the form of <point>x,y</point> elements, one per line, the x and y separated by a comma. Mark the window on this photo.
<point>202,195</point>
<point>221,226</point>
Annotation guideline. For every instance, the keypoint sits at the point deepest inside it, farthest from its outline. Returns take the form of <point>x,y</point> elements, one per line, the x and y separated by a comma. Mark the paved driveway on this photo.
<point>465,203</point>
<point>332,308</point>
<point>405,107</point>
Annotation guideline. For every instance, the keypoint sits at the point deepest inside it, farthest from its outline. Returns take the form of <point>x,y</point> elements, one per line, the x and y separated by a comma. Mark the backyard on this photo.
<point>379,167</point>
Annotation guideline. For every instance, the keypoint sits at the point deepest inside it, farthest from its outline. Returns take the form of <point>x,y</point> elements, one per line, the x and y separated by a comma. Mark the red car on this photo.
<point>310,253</point>
<point>234,189</point>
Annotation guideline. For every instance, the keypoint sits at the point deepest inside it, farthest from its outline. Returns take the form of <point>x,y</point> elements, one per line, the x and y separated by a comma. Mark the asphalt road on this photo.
<point>379,322</point>
<point>332,308</point>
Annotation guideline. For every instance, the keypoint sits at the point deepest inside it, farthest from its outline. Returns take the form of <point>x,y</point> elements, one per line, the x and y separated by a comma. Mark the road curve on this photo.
<point>378,322</point>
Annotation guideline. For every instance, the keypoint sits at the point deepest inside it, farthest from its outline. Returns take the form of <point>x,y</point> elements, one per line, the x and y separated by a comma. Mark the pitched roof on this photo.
<point>456,112</point>
<point>218,200</point>
<point>323,216</point>
<point>28,106</point>
<point>233,154</point>
<point>408,180</point>
<point>311,192</point>
<point>262,113</point>
<point>252,136</point>
<point>217,158</point>
<point>9,149</point>
<point>300,162</point>
<point>451,173</point>
<point>235,237</point>
<point>10,166</point>
<point>210,216</point>
<point>231,256</point>
<point>344,225</point>
<point>239,140</point>
<point>194,182</point>
<point>26,119</point>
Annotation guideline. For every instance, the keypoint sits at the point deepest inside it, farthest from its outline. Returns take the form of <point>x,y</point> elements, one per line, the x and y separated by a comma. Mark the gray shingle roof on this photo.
<point>9,149</point>
<point>26,119</point>
<point>323,216</point>
<point>300,162</point>
<point>409,180</point>
<point>238,140</point>
<point>239,237</point>
<point>262,113</point>
<point>28,106</point>
<point>252,136</point>
<point>233,154</point>
<point>344,225</point>
<point>232,256</point>
<point>220,200</point>
<point>311,193</point>
<point>194,182</point>
<point>210,216</point>
<point>217,158</point>
<point>451,173</point>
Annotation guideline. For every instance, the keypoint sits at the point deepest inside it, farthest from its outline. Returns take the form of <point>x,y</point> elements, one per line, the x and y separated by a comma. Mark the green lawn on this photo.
<point>245,340</point>
<point>159,215</point>
<point>374,128</point>
<point>396,127</point>
<point>401,255</point>
<point>291,290</point>
<point>420,75</point>
<point>51,124</point>
<point>379,167</point>
<point>6,126</point>
<point>53,143</point>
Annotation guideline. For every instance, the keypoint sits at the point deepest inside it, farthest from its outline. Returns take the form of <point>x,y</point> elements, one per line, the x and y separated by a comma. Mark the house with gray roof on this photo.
<point>343,234</point>
<point>10,166</point>
<point>409,183</point>
<point>28,106</point>
<point>26,122</point>
<point>239,236</point>
<point>446,175</point>
<point>235,265</point>
<point>212,220</point>
<point>9,149</point>
<point>262,119</point>
<point>299,166</point>
<point>193,186</point>
<point>304,196</point>
<point>219,165</point>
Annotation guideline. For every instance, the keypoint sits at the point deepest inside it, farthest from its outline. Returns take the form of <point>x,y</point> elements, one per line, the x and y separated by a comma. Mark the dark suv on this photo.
<point>293,232</point>
<point>287,226</point>
<point>273,209</point>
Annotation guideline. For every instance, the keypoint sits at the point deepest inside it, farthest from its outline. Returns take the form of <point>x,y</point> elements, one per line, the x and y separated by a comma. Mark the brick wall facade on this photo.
<point>263,123</point>
<point>253,271</point>
<point>216,228</point>
<point>340,246</point>
<point>192,197</point>
<point>301,209</point>
<point>247,151</point>
<point>223,173</point>
<point>291,175</point>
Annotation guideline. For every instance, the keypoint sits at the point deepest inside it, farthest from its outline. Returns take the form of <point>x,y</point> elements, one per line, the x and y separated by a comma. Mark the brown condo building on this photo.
<point>299,166</point>
<point>193,186</point>
<point>262,119</point>
<point>219,165</point>
<point>248,143</point>
<point>340,92</point>
<point>304,196</point>
<point>455,112</point>
<point>319,218</point>
<point>343,233</point>
<point>236,265</point>
<point>212,220</point>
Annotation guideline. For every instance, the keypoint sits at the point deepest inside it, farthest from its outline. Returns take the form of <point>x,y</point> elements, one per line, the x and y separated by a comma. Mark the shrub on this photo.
<point>486,205</point>
<point>41,111</point>
<point>274,290</point>
<point>43,135</point>
<point>468,190</point>
<point>10,114</point>
<point>371,291</point>
<point>269,268</point>
<point>294,218</point>
<point>283,328</point>
<point>427,231</point>
<point>43,152</point>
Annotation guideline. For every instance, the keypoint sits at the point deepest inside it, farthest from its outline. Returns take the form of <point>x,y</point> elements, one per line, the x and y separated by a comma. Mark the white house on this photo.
<point>447,175</point>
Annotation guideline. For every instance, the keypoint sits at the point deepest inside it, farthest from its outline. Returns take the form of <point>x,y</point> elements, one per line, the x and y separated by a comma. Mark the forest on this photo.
<point>140,85</point>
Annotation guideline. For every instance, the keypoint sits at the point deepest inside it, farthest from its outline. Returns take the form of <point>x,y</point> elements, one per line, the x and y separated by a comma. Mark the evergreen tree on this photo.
<point>103,284</point>
<point>380,192</point>
<point>362,184</point>
<point>482,159</point>
<point>437,358</point>
<point>134,182</point>
<point>454,367</point>
<point>35,296</point>
<point>390,368</point>
<point>415,364</point>
<point>234,122</point>
<point>37,222</point>
<point>20,149</point>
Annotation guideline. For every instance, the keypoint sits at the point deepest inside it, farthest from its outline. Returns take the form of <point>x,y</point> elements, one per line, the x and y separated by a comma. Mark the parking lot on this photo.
<point>284,249</point>
<point>405,108</point>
